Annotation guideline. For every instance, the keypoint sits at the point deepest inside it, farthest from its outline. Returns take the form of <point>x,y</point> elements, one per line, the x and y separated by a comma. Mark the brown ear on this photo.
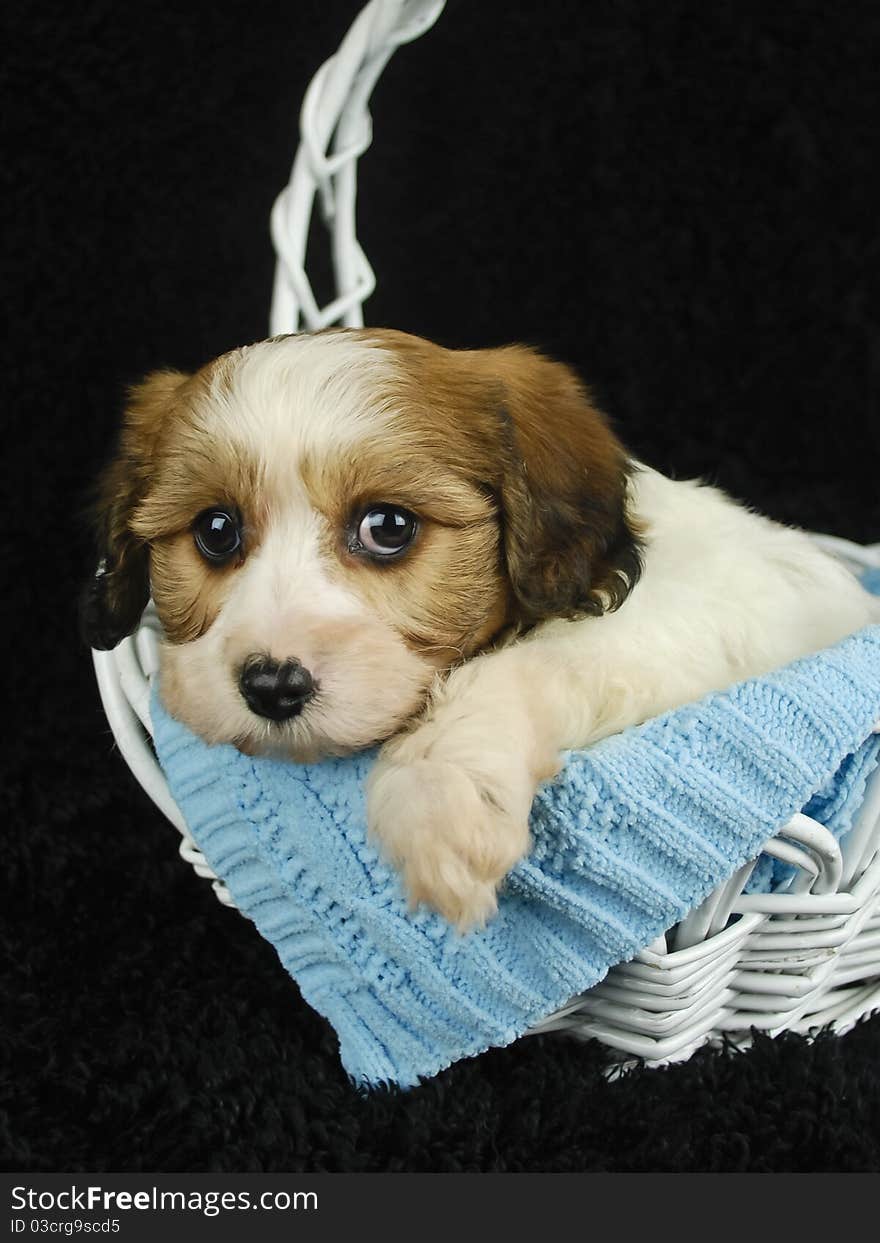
<point>114,598</point>
<point>571,547</point>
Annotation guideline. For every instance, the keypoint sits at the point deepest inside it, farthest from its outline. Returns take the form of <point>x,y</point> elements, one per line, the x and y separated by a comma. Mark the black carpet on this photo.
<point>679,198</point>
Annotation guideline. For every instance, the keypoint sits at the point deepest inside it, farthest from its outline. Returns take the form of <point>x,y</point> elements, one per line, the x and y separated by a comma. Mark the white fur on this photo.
<point>283,398</point>
<point>725,595</point>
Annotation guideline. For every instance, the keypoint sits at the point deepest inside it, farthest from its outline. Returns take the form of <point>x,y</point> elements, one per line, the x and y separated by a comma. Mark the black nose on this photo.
<point>277,691</point>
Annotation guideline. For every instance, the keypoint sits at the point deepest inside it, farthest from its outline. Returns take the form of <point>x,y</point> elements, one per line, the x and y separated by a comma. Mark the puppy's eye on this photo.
<point>385,530</point>
<point>217,534</point>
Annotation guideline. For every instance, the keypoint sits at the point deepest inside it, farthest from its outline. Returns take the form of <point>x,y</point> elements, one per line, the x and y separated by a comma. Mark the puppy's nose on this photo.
<point>277,691</point>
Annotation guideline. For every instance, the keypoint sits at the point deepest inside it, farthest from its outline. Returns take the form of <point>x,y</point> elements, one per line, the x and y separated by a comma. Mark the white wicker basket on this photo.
<point>793,960</point>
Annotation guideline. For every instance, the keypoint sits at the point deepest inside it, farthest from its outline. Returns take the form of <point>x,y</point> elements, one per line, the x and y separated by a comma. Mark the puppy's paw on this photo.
<point>453,835</point>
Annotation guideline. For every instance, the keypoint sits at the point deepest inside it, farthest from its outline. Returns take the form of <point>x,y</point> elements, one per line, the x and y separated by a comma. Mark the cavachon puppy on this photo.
<point>357,536</point>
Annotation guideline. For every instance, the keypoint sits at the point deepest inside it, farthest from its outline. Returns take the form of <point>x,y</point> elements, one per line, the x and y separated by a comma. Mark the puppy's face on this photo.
<point>327,521</point>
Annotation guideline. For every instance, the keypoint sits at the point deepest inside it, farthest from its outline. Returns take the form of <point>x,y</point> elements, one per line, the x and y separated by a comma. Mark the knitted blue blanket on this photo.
<point>630,837</point>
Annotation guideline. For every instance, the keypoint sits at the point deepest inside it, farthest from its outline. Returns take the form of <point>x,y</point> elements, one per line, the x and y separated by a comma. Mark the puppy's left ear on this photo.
<point>114,598</point>
<point>571,546</point>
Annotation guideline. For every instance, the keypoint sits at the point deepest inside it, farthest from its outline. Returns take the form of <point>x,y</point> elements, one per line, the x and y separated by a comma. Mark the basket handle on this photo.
<point>335,131</point>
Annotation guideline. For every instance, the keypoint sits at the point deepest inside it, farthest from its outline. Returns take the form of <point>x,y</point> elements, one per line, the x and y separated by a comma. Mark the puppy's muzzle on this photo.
<point>275,690</point>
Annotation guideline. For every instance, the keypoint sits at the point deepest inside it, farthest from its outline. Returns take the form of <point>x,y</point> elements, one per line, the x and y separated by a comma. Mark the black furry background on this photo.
<point>678,197</point>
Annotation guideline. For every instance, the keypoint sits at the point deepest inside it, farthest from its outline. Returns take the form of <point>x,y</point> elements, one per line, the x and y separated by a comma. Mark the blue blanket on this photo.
<point>630,837</point>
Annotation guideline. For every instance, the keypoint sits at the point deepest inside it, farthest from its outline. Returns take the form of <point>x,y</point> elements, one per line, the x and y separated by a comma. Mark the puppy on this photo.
<point>357,536</point>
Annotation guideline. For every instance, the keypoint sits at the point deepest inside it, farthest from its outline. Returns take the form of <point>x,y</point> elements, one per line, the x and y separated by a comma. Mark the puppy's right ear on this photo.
<point>113,600</point>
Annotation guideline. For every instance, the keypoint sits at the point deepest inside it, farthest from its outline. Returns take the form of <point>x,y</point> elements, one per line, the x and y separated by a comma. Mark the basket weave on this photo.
<point>797,959</point>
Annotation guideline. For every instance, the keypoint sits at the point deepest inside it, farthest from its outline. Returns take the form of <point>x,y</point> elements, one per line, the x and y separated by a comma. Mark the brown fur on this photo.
<point>193,470</point>
<point>166,471</point>
<point>517,480</point>
<point>114,599</point>
<point>188,592</point>
<point>526,433</point>
<point>448,595</point>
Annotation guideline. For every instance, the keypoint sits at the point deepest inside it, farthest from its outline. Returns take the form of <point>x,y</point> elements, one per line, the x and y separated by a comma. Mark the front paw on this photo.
<point>453,835</point>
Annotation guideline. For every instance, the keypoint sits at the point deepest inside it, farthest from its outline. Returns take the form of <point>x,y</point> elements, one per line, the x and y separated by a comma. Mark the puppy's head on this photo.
<point>327,521</point>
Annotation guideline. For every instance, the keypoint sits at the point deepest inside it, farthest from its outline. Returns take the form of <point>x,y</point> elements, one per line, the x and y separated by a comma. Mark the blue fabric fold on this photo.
<point>633,834</point>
